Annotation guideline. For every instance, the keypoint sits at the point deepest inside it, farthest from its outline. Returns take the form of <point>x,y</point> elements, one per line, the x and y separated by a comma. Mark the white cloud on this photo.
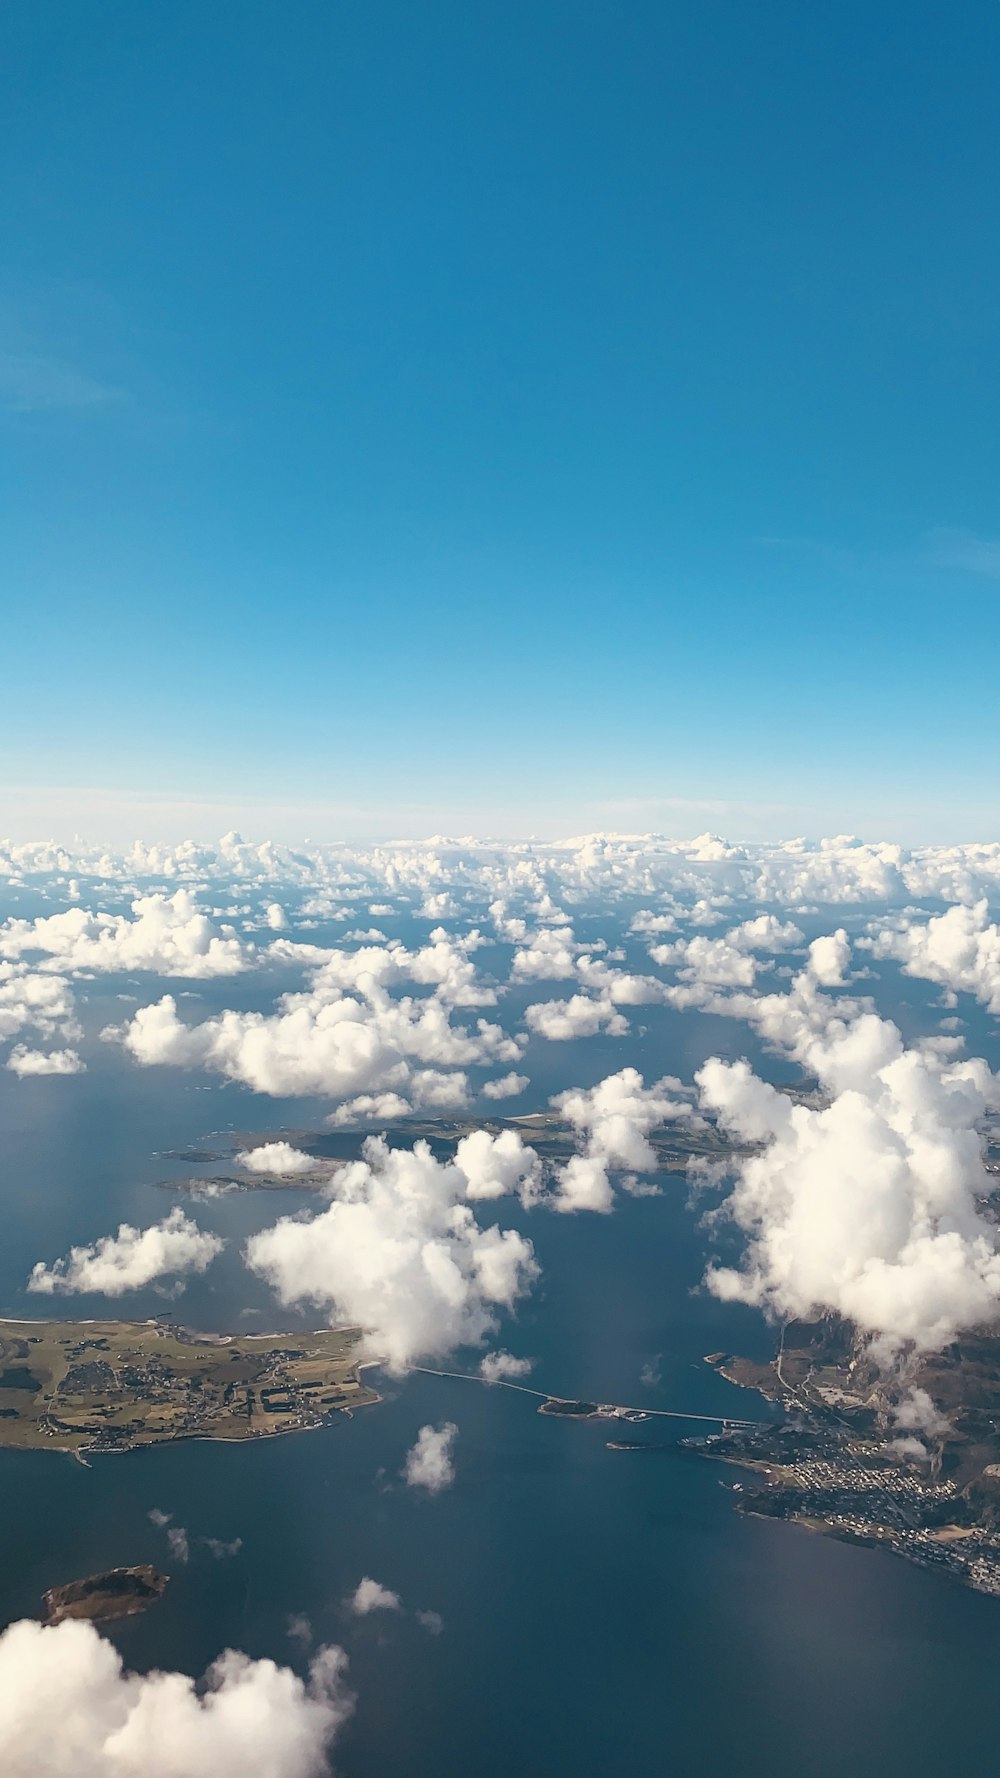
<point>615,1120</point>
<point>709,962</point>
<point>429,1463</point>
<point>960,950</point>
<point>867,1205</point>
<point>32,1002</point>
<point>399,1253</point>
<point>369,1107</point>
<point>275,916</point>
<point>320,1042</point>
<point>766,933</point>
<point>583,1185</point>
<point>370,1595</point>
<point>130,1259</point>
<point>495,1166</point>
<point>499,1367</point>
<point>549,956</point>
<point>180,1543</point>
<point>506,1087</point>
<point>220,1549</point>
<point>276,1157</point>
<point>646,921</point>
<point>443,964</point>
<point>829,957</point>
<point>916,1412</point>
<point>169,935</point>
<point>581,1016</point>
<point>24,1062</point>
<point>435,1091</point>
<point>68,1709</point>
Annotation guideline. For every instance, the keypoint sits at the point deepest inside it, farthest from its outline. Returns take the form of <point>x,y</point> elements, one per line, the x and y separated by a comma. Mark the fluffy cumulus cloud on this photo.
<point>495,1166</point>
<point>370,1595</point>
<point>276,1157</point>
<point>507,1086</point>
<point>69,1709</point>
<point>582,1015</point>
<point>614,1121</point>
<point>548,955</point>
<point>168,935</point>
<point>25,1062</point>
<point>503,1367</point>
<point>444,964</point>
<point>321,1042</point>
<point>867,1204</point>
<point>430,1461</point>
<point>368,1108</point>
<point>33,1002</point>
<point>960,950</point>
<point>131,1259</point>
<point>399,1252</point>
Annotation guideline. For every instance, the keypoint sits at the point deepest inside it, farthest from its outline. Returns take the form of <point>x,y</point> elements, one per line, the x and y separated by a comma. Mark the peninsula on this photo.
<point>910,1465</point>
<point>112,1385</point>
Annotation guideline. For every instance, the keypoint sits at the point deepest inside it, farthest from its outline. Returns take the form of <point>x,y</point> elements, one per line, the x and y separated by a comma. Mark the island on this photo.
<point>94,1386</point>
<point>119,1592</point>
<point>674,1145</point>
<point>911,1465</point>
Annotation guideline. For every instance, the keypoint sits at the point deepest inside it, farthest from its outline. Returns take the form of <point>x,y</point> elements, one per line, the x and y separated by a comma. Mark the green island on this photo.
<point>119,1592</point>
<point>113,1385</point>
<point>842,1459</point>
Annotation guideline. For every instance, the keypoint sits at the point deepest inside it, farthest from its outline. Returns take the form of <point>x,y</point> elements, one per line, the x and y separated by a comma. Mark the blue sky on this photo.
<point>500,417</point>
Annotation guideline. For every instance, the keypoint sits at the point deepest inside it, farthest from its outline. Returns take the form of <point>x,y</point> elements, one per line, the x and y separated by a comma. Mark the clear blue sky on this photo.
<point>501,416</point>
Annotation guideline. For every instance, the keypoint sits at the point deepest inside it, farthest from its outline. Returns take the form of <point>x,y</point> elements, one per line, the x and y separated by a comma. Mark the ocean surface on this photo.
<point>602,1612</point>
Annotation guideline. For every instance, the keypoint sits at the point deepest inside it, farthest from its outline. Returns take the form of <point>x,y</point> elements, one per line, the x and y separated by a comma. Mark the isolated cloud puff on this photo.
<point>582,1015</point>
<point>370,1595</point>
<point>429,1462</point>
<point>25,1062</point>
<point>130,1259</point>
<point>169,935</point>
<point>369,1108</point>
<point>276,1157</point>
<point>501,1367</point>
<point>506,1087</point>
<point>69,1709</point>
<point>400,1254</point>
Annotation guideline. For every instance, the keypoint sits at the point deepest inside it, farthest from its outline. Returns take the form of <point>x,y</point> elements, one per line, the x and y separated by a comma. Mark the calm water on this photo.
<point>603,1612</point>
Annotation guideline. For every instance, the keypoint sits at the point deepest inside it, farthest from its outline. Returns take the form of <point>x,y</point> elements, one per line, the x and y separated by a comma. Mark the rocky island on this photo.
<point>119,1592</point>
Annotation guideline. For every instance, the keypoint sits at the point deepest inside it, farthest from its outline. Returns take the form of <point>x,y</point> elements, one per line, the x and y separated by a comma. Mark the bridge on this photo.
<point>606,1410</point>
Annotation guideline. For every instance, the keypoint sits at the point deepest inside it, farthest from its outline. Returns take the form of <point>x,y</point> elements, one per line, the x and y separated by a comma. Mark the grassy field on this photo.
<point>111,1385</point>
